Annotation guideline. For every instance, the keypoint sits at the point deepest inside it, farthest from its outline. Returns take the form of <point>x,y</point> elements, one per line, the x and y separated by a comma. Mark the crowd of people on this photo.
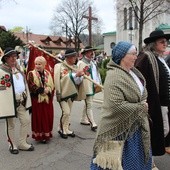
<point>34,91</point>
<point>135,119</point>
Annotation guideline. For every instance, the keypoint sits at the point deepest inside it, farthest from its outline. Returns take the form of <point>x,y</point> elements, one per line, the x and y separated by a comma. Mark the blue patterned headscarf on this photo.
<point>120,50</point>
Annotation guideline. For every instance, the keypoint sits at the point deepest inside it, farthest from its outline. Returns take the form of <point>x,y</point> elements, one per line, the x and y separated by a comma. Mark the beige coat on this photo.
<point>7,93</point>
<point>64,83</point>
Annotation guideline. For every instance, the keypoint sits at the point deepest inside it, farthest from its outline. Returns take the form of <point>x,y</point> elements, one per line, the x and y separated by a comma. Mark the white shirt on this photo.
<point>19,84</point>
<point>135,77</point>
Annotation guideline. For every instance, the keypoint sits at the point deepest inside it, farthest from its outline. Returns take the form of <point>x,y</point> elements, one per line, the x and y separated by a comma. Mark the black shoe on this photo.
<point>43,141</point>
<point>64,136</point>
<point>86,124</point>
<point>31,148</point>
<point>13,151</point>
<point>94,128</point>
<point>71,135</point>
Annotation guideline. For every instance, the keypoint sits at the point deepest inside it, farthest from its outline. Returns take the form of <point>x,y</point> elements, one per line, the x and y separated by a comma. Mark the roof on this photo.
<point>163,27</point>
<point>47,41</point>
<point>2,28</point>
<point>109,33</point>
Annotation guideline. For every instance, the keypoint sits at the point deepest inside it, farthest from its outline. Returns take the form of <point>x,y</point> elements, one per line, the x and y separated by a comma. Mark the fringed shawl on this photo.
<point>123,109</point>
<point>48,83</point>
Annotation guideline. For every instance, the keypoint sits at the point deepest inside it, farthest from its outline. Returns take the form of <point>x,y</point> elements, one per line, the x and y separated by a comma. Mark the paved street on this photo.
<point>60,154</point>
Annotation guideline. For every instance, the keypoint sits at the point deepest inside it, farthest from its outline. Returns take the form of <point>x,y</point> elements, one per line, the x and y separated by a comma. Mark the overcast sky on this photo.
<point>36,15</point>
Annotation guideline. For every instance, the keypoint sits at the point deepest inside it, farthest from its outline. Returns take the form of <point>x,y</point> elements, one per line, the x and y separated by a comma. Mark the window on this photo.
<point>125,18</point>
<point>130,17</point>
<point>136,18</point>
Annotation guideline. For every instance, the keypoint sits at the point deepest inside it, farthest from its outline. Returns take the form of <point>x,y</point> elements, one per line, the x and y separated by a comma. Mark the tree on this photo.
<point>17,29</point>
<point>68,18</point>
<point>8,39</point>
<point>146,10</point>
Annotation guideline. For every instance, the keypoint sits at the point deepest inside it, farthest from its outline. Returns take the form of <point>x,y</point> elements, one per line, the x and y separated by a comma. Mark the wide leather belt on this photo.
<point>21,99</point>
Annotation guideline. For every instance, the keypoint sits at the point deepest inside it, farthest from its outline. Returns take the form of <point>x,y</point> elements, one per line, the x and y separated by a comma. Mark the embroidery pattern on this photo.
<point>87,70</point>
<point>64,72</point>
<point>5,81</point>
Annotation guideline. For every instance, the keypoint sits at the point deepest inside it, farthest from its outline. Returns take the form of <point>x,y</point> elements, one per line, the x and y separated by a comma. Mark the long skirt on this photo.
<point>133,155</point>
<point>42,119</point>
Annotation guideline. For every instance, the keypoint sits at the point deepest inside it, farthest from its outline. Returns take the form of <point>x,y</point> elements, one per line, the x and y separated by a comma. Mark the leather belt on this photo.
<point>21,99</point>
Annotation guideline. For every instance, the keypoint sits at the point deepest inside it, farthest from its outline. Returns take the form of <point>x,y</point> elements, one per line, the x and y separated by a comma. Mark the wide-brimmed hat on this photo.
<point>8,52</point>
<point>154,35</point>
<point>70,52</point>
<point>88,48</point>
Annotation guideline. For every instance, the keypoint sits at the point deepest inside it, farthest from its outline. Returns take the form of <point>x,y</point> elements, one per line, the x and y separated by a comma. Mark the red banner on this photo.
<point>35,52</point>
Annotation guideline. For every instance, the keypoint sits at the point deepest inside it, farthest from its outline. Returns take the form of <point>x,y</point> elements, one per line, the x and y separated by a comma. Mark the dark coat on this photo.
<point>156,123</point>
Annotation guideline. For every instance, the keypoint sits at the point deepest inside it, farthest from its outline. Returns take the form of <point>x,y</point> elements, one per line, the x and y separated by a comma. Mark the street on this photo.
<point>60,154</point>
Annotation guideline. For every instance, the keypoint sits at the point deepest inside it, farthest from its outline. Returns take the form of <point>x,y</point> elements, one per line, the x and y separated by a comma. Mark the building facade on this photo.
<point>128,26</point>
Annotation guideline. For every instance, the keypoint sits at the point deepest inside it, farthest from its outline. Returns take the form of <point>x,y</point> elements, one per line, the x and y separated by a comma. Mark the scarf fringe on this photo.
<point>110,156</point>
<point>121,131</point>
<point>43,98</point>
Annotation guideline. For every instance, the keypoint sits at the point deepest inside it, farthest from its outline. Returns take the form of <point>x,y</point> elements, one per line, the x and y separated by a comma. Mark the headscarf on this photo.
<point>120,50</point>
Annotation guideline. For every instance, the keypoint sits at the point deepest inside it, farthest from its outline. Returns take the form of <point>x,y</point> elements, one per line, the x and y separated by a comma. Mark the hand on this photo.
<point>146,105</point>
<point>79,73</point>
<point>46,91</point>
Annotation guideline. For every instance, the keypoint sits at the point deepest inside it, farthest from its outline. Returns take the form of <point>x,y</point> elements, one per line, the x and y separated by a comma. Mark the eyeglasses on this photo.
<point>163,42</point>
<point>132,53</point>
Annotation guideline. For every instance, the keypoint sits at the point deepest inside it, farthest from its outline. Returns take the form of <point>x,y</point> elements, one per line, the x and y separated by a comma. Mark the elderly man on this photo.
<point>13,87</point>
<point>87,87</point>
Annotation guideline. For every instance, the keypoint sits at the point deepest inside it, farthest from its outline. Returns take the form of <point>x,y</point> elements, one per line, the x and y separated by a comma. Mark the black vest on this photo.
<point>164,84</point>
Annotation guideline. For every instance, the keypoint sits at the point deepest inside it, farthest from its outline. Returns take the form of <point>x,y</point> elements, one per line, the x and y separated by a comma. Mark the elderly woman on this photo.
<point>41,87</point>
<point>123,137</point>
<point>152,65</point>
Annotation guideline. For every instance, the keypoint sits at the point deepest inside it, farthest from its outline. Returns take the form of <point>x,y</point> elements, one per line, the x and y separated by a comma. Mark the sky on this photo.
<point>36,15</point>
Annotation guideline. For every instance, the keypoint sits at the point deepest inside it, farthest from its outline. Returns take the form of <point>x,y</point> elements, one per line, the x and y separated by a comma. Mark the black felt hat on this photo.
<point>70,52</point>
<point>88,48</point>
<point>8,52</point>
<point>156,35</point>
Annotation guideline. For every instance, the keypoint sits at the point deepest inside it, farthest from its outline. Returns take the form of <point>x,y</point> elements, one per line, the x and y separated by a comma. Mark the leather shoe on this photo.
<point>43,141</point>
<point>13,151</point>
<point>93,128</point>
<point>84,123</point>
<point>64,136</point>
<point>31,148</point>
<point>71,135</point>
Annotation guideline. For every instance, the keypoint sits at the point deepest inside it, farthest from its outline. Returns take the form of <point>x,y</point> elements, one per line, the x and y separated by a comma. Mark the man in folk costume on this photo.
<point>87,86</point>
<point>66,85</point>
<point>13,88</point>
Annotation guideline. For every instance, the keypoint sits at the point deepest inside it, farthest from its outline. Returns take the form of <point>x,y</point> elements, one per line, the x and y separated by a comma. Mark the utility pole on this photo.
<point>90,18</point>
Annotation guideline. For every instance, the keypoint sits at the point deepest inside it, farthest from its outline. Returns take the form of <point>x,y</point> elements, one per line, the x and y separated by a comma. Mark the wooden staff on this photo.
<point>85,76</point>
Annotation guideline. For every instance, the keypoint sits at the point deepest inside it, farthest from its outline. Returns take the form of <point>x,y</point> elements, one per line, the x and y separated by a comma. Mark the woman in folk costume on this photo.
<point>41,87</point>
<point>66,85</point>
<point>14,98</point>
<point>152,65</point>
<point>123,137</point>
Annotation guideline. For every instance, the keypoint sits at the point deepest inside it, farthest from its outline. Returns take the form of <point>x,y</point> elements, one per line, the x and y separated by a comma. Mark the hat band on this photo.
<point>70,54</point>
<point>10,52</point>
